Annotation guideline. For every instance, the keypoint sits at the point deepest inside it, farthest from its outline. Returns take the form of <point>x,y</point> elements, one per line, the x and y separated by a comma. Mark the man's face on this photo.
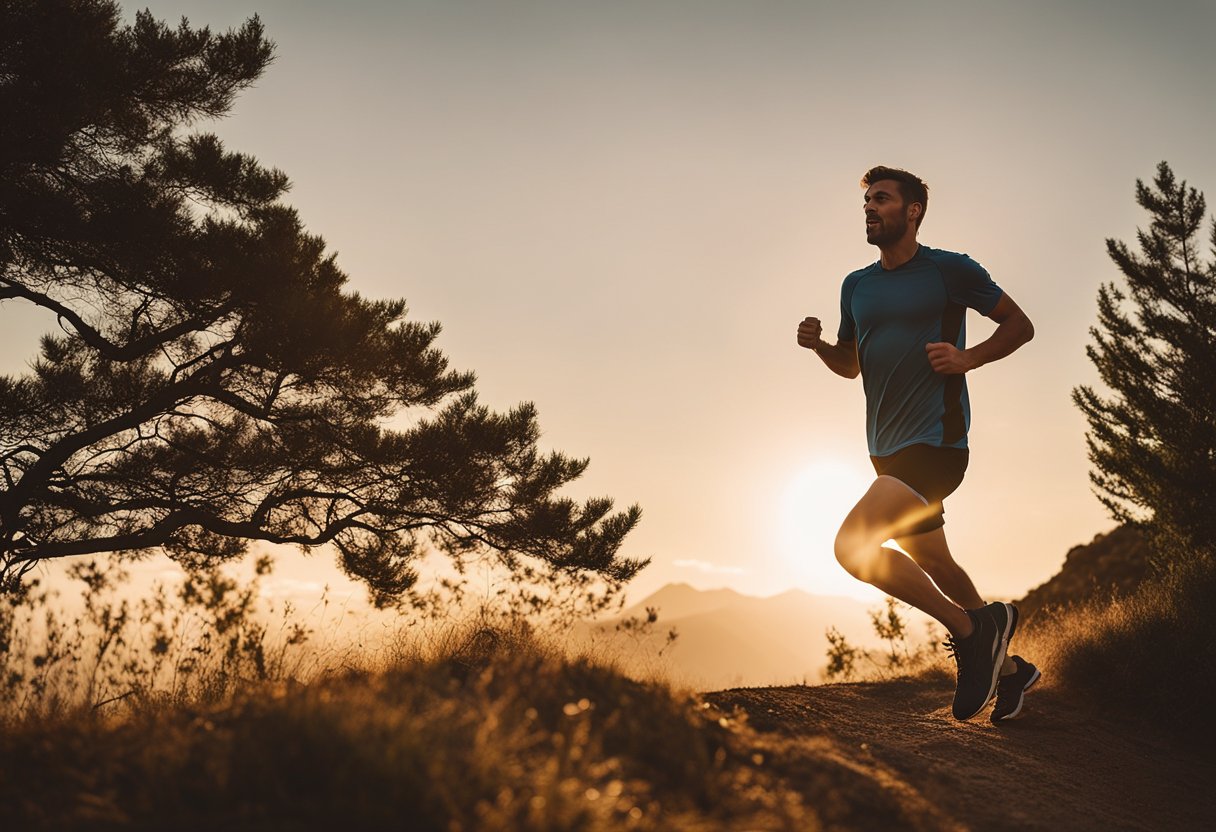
<point>886,214</point>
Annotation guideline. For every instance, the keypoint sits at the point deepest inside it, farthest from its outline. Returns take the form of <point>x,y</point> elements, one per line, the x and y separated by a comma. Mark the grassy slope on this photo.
<point>502,734</point>
<point>1148,656</point>
<point>495,731</point>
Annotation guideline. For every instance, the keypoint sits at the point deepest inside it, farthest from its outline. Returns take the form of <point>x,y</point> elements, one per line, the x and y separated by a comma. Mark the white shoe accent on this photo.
<point>998,658</point>
<point>1016,712</point>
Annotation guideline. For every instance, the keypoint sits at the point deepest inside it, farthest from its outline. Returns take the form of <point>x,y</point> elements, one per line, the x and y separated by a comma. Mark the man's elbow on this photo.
<point>1027,330</point>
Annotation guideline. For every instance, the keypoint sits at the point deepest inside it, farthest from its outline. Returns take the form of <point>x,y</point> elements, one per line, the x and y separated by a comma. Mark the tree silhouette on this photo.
<point>213,383</point>
<point>1153,441</point>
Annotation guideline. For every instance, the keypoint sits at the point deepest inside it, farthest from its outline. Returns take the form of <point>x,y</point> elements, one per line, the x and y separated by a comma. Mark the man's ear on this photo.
<point>915,210</point>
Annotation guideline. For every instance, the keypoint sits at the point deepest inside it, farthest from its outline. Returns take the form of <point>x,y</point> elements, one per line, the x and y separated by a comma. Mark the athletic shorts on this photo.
<point>932,472</point>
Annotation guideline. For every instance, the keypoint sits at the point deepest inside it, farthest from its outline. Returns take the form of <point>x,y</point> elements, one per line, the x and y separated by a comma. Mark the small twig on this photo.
<point>113,699</point>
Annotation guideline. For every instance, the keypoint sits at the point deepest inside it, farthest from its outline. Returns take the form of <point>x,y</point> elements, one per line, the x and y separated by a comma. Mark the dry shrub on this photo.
<point>196,641</point>
<point>483,723</point>
<point>501,732</point>
<point>1148,656</point>
<point>187,707</point>
<point>902,655</point>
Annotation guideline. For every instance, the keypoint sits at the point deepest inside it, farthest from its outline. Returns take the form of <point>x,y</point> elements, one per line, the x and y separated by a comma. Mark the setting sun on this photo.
<point>812,506</point>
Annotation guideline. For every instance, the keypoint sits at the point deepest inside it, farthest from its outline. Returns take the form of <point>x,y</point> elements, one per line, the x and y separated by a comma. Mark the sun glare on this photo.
<point>812,506</point>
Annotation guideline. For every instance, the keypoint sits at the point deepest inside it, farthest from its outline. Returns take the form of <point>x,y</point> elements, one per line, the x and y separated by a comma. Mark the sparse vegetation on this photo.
<point>1146,656</point>
<point>198,641</point>
<point>849,663</point>
<point>187,708</point>
<point>485,725</point>
<point>495,734</point>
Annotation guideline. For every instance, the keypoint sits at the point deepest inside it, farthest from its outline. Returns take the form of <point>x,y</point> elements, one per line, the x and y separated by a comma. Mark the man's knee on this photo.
<point>855,551</point>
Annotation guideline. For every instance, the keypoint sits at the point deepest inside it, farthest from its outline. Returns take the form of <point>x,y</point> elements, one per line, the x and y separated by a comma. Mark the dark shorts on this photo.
<point>931,472</point>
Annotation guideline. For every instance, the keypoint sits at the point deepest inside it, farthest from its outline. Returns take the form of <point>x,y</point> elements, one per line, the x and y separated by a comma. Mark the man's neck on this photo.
<point>899,253</point>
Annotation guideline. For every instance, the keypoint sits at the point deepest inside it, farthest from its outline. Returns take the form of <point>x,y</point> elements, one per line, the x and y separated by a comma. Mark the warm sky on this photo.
<point>621,210</point>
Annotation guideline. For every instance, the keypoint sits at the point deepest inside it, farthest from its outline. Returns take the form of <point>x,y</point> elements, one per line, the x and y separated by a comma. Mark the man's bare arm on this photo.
<point>840,358</point>
<point>1013,330</point>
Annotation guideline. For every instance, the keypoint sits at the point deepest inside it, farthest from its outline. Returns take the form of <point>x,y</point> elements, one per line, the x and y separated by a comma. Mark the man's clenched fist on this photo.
<point>948,359</point>
<point>808,333</point>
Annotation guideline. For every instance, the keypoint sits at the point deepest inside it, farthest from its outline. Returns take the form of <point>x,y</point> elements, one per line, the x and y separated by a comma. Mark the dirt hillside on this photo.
<point>1114,563</point>
<point>1062,766</point>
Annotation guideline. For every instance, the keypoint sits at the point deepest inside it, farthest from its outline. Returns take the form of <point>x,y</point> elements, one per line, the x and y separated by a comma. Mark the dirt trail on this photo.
<point>1060,767</point>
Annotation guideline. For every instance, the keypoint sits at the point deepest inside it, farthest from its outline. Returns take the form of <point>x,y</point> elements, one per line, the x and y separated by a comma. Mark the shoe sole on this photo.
<point>998,659</point>
<point>1011,622</point>
<point>1016,712</point>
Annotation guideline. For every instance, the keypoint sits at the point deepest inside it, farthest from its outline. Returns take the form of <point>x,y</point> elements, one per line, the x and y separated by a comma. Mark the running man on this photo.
<point>902,328</point>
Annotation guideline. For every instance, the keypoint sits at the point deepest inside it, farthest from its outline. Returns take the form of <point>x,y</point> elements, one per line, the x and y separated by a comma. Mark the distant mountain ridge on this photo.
<point>680,600</point>
<point>728,639</point>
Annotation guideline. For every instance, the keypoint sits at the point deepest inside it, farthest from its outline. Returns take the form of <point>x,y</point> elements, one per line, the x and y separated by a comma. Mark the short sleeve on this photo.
<point>968,283</point>
<point>848,326</point>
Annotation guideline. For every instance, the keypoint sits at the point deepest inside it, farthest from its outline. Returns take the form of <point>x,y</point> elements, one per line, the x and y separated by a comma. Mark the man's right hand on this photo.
<point>809,332</point>
<point>840,358</point>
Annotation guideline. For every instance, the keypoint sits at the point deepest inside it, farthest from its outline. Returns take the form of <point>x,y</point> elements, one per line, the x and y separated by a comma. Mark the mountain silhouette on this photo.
<point>728,639</point>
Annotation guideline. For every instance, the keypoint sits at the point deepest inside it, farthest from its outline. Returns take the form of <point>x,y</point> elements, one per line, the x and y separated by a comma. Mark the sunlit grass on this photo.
<point>1148,656</point>
<point>190,708</point>
<point>126,716</point>
<point>499,734</point>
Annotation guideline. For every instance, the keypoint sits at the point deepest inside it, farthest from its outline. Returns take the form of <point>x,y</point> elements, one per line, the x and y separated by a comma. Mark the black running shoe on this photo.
<point>1011,690</point>
<point>979,657</point>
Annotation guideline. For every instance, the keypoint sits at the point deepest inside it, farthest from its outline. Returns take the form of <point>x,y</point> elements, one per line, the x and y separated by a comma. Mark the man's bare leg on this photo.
<point>886,506</point>
<point>979,639</point>
<point>932,554</point>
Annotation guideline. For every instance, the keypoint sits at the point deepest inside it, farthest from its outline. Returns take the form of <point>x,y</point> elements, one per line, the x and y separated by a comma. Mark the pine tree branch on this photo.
<point>115,352</point>
<point>170,397</point>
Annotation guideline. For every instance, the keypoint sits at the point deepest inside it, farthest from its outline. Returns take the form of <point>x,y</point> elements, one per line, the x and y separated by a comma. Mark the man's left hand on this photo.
<point>948,359</point>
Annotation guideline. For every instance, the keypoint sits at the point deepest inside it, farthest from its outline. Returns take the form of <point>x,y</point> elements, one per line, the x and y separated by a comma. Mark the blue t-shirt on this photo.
<point>892,315</point>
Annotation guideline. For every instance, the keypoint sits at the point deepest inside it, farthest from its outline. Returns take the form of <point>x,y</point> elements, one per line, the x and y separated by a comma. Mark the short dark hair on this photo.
<point>911,187</point>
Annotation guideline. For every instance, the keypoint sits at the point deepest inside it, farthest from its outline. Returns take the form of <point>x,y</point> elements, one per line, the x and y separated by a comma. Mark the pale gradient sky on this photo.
<point>621,210</point>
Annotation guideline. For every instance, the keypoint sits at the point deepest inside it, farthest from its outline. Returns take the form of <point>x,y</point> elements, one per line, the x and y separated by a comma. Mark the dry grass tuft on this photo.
<point>499,732</point>
<point>1148,656</point>
<point>189,710</point>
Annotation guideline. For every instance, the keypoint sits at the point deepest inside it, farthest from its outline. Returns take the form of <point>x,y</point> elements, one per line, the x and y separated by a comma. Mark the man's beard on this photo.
<point>887,232</point>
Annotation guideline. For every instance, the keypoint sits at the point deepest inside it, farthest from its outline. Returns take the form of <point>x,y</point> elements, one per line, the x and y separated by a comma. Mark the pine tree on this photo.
<point>1153,440</point>
<point>213,382</point>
